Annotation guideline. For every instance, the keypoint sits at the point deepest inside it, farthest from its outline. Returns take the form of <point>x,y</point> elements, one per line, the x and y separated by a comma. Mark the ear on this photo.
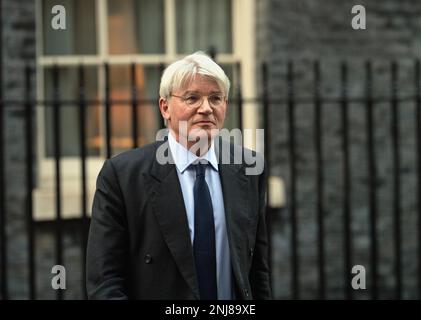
<point>164,108</point>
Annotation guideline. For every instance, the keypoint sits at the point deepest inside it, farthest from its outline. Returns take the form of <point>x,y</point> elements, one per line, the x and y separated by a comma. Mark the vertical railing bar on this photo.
<point>291,147</point>
<point>3,218</point>
<point>212,52</point>
<point>57,142</point>
<point>319,181</point>
<point>161,119</point>
<point>29,184</point>
<point>347,183</point>
<point>396,180</point>
<point>82,142</point>
<point>107,105</point>
<point>266,117</point>
<point>372,176</point>
<point>267,153</point>
<point>418,166</point>
<point>134,105</point>
<point>239,97</point>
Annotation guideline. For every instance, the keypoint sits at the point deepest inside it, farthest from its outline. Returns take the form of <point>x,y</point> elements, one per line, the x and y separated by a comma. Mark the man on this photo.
<point>189,228</point>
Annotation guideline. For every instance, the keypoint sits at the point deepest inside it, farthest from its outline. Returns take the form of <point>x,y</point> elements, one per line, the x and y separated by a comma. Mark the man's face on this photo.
<point>199,120</point>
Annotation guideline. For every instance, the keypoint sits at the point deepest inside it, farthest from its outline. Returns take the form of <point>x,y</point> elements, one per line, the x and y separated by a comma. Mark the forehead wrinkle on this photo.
<point>201,92</point>
<point>211,85</point>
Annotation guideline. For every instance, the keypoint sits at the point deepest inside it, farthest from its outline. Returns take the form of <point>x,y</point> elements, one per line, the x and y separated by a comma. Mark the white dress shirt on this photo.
<point>183,159</point>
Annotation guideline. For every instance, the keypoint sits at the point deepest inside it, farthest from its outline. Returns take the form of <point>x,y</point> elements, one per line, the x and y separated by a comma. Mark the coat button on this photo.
<point>246,292</point>
<point>251,252</point>
<point>148,258</point>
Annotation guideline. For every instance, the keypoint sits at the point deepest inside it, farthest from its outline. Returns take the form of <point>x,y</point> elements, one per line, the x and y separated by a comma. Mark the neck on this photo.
<point>199,147</point>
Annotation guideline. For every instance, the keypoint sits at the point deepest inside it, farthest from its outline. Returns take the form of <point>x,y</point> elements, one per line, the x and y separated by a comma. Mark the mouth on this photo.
<point>205,122</point>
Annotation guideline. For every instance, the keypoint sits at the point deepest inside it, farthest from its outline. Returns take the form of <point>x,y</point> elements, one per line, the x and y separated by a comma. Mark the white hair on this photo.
<point>178,74</point>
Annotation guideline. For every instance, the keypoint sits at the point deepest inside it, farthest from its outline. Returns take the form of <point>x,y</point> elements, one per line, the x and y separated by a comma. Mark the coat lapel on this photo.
<point>234,188</point>
<point>170,211</point>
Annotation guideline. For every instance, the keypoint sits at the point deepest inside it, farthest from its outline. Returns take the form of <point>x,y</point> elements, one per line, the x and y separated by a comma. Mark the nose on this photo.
<point>205,106</point>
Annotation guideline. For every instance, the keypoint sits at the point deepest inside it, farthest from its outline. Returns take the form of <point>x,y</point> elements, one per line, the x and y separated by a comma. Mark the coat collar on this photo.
<point>236,204</point>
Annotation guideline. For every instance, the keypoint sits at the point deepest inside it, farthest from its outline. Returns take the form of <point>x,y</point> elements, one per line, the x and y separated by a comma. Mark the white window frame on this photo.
<point>243,52</point>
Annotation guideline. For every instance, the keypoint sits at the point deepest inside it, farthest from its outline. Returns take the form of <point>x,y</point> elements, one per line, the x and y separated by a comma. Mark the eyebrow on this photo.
<point>194,91</point>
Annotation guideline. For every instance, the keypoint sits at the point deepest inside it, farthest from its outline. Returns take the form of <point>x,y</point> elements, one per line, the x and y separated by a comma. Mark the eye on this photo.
<point>192,99</point>
<point>216,99</point>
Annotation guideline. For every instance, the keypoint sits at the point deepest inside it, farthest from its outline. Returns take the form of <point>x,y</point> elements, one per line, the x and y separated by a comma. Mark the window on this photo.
<point>150,33</point>
<point>136,27</point>
<point>79,36</point>
<point>203,24</point>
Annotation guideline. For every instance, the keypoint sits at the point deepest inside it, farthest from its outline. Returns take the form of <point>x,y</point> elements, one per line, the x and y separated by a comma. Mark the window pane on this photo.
<point>147,79</point>
<point>69,113</point>
<point>136,26</point>
<point>79,35</point>
<point>202,24</point>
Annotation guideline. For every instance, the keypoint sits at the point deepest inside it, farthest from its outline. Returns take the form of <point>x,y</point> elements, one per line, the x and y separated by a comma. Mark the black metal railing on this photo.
<point>347,182</point>
<point>372,177</point>
<point>290,101</point>
<point>3,243</point>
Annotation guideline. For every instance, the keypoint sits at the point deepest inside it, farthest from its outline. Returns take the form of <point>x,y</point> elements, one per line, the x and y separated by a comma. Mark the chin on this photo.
<point>202,133</point>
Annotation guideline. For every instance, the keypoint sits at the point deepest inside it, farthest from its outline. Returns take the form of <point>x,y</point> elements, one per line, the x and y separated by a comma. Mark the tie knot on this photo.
<point>200,169</point>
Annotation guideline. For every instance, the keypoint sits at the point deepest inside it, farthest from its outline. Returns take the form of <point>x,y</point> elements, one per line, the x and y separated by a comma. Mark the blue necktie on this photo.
<point>204,237</point>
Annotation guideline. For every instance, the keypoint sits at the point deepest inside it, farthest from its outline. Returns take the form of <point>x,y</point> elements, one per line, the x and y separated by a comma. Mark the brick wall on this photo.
<point>306,30</point>
<point>18,45</point>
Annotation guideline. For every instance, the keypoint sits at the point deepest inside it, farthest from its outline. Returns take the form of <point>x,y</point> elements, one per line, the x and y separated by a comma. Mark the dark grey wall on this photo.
<point>308,30</point>
<point>18,45</point>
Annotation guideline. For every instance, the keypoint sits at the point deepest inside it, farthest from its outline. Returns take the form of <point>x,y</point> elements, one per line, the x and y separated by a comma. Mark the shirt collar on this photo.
<point>183,158</point>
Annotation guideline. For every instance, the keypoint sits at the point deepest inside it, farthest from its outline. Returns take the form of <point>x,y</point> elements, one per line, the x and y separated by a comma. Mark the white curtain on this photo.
<point>136,26</point>
<point>202,24</point>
